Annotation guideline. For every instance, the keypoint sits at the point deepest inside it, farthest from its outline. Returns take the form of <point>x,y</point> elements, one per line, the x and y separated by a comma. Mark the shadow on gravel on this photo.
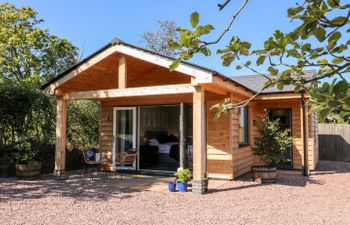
<point>75,187</point>
<point>323,168</point>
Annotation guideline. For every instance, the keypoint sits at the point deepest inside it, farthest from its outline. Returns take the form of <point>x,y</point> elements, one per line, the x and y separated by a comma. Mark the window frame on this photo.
<point>246,132</point>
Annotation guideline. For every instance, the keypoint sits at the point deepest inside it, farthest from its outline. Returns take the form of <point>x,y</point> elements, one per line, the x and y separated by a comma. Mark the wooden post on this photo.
<point>61,126</point>
<point>122,72</point>
<point>182,135</point>
<point>199,183</point>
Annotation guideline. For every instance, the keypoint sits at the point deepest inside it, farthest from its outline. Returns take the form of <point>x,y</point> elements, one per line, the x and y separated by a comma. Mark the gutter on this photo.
<point>306,170</point>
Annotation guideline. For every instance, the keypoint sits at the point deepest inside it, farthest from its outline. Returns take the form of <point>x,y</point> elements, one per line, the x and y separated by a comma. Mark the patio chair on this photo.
<point>126,160</point>
<point>91,165</point>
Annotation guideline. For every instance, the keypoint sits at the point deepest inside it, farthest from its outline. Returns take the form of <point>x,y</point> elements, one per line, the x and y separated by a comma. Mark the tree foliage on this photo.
<point>319,40</point>
<point>29,53</point>
<point>29,57</point>
<point>26,117</point>
<point>83,125</point>
<point>157,40</point>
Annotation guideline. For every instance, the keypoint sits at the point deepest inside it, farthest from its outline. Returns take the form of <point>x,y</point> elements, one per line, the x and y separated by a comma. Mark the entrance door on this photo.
<point>124,131</point>
<point>285,121</point>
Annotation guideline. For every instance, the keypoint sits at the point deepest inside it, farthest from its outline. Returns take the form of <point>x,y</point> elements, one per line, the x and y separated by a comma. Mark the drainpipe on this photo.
<point>305,135</point>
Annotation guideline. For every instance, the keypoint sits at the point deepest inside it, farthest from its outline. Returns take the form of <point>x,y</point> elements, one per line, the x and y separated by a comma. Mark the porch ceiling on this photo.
<point>104,75</point>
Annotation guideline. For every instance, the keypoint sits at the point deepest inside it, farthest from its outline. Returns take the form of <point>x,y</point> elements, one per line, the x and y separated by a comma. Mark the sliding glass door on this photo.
<point>124,131</point>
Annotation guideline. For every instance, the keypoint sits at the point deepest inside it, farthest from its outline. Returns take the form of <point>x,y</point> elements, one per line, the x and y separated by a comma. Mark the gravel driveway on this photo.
<point>323,198</point>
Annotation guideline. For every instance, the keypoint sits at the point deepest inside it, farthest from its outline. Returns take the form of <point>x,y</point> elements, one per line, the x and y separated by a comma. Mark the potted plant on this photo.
<point>270,146</point>
<point>27,167</point>
<point>172,186</point>
<point>183,176</point>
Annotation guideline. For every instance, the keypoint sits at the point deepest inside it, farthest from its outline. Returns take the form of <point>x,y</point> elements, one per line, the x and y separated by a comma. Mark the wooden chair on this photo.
<point>126,160</point>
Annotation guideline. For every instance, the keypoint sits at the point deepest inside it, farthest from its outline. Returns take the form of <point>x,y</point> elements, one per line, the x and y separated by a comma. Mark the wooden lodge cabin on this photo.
<point>167,116</point>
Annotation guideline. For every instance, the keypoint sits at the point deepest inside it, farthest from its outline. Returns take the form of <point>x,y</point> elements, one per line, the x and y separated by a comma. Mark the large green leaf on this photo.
<point>320,34</point>
<point>260,60</point>
<point>174,65</point>
<point>341,88</point>
<point>194,19</point>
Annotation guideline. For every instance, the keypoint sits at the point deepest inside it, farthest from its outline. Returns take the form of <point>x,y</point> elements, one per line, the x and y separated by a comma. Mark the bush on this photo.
<point>272,142</point>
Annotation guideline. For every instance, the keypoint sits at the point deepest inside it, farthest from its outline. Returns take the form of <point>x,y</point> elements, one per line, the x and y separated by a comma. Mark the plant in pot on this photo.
<point>270,146</point>
<point>27,166</point>
<point>183,176</point>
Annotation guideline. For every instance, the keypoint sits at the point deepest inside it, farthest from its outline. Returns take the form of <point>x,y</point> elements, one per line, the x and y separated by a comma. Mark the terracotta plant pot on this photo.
<point>28,171</point>
<point>267,174</point>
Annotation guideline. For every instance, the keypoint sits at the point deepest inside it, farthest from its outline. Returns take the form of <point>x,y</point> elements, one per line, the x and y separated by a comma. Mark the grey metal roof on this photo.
<point>257,82</point>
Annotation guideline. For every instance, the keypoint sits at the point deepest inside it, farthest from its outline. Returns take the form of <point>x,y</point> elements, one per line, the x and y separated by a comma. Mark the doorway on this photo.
<point>124,131</point>
<point>284,116</point>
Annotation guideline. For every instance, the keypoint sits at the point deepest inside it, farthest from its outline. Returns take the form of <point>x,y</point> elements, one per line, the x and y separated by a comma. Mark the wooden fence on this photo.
<point>334,142</point>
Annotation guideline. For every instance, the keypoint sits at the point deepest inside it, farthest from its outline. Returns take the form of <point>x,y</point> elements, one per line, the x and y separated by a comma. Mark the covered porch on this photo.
<point>121,76</point>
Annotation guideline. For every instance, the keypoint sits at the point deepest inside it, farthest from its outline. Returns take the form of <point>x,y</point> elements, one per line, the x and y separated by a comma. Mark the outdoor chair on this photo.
<point>126,160</point>
<point>91,164</point>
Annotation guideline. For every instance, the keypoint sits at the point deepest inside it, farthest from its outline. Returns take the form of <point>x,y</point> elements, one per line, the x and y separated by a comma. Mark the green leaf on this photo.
<point>248,63</point>
<point>280,86</point>
<point>322,61</point>
<point>320,34</point>
<point>186,39</point>
<point>306,47</point>
<point>334,37</point>
<point>238,67</point>
<point>260,60</point>
<point>294,11</point>
<point>293,53</point>
<point>341,88</point>
<point>205,51</point>
<point>337,60</point>
<point>201,30</point>
<point>333,3</point>
<point>173,44</point>
<point>174,65</point>
<point>272,71</point>
<point>338,21</point>
<point>227,59</point>
<point>324,113</point>
<point>194,19</point>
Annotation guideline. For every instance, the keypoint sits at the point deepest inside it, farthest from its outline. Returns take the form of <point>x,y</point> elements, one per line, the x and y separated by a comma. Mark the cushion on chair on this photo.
<point>90,154</point>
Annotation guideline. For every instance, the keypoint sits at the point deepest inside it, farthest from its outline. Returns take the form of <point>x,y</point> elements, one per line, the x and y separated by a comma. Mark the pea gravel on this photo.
<point>323,198</point>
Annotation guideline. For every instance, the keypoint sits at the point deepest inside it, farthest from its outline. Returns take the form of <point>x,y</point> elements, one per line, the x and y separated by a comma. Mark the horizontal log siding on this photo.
<point>219,144</point>
<point>225,158</point>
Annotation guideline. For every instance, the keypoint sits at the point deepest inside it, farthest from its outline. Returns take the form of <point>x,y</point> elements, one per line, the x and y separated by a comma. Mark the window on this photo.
<point>243,126</point>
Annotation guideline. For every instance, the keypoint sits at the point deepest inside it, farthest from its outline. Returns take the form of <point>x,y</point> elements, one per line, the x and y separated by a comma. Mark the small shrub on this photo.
<point>272,142</point>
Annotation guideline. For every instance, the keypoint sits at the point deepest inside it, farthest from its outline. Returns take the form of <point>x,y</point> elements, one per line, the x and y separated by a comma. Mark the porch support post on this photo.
<point>199,182</point>
<point>182,135</point>
<point>122,71</point>
<point>305,134</point>
<point>61,126</point>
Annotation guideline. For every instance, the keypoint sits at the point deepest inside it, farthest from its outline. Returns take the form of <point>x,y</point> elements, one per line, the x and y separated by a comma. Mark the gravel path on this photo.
<point>324,198</point>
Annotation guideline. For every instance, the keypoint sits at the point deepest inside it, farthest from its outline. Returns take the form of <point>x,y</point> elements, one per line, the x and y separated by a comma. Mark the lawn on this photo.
<point>323,198</point>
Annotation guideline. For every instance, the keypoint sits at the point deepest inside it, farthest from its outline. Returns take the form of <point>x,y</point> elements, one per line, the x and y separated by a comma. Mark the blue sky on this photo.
<point>91,24</point>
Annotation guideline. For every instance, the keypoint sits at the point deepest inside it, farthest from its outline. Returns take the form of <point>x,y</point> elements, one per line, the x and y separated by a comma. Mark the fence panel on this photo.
<point>334,142</point>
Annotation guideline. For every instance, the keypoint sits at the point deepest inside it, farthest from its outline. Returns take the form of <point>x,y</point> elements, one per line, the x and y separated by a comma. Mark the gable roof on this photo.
<point>252,83</point>
<point>119,43</point>
<point>256,83</point>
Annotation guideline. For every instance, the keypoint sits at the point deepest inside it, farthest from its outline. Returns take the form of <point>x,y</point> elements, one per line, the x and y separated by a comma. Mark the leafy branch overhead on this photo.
<point>319,42</point>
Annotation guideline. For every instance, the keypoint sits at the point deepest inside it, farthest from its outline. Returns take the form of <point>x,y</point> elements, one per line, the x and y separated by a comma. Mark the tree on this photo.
<point>157,40</point>
<point>29,54</point>
<point>29,57</point>
<point>287,54</point>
